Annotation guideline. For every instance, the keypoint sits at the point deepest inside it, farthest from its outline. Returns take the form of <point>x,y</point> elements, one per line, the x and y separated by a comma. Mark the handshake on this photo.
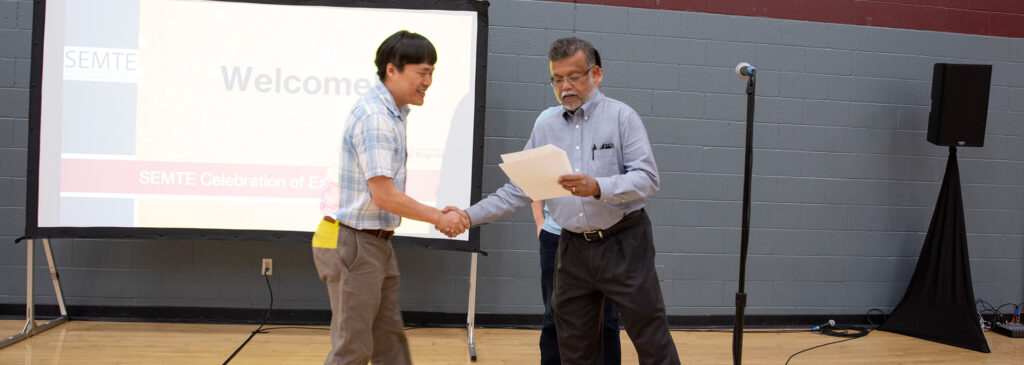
<point>453,221</point>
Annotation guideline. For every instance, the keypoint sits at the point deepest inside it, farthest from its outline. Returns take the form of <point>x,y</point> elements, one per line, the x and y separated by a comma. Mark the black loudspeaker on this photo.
<point>959,104</point>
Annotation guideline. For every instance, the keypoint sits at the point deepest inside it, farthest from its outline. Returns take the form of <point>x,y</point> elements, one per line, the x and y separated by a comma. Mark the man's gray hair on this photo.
<point>568,46</point>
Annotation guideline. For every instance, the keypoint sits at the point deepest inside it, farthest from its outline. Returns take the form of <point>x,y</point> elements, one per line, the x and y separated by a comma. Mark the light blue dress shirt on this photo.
<point>549,223</point>
<point>604,139</point>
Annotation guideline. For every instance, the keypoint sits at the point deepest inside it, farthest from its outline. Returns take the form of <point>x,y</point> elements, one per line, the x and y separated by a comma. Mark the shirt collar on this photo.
<point>588,107</point>
<point>389,101</point>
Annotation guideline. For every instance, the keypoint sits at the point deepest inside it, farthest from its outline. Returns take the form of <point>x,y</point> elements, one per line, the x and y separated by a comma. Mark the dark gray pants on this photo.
<point>621,268</point>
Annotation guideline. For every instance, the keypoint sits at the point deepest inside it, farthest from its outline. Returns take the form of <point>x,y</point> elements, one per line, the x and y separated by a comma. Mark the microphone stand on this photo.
<point>741,297</point>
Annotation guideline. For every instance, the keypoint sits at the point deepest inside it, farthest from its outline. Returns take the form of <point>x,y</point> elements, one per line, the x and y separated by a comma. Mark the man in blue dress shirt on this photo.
<point>547,235</point>
<point>606,248</point>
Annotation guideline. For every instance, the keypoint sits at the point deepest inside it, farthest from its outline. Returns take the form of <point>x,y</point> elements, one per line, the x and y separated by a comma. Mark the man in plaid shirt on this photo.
<point>352,245</point>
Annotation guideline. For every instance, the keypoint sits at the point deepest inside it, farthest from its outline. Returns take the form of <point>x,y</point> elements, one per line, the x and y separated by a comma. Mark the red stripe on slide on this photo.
<point>131,177</point>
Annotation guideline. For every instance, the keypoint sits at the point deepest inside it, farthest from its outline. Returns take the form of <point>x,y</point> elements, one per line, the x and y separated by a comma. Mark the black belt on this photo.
<point>631,219</point>
<point>379,233</point>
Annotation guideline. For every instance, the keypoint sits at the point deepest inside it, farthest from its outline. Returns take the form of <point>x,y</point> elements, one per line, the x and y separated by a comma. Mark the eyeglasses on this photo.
<point>572,79</point>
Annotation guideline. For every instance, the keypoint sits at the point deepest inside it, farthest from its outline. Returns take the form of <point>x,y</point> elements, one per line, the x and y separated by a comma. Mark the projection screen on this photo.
<point>222,119</point>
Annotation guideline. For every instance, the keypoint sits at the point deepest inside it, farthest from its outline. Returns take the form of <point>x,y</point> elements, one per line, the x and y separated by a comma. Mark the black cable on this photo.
<point>406,328</point>
<point>851,333</point>
<point>868,314</point>
<point>267,330</point>
<point>712,330</point>
<point>258,329</point>
<point>985,308</point>
<point>836,331</point>
<point>996,312</point>
<point>812,348</point>
<point>999,310</point>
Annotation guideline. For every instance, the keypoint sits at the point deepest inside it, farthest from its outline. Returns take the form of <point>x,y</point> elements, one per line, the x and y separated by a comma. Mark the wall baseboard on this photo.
<point>412,319</point>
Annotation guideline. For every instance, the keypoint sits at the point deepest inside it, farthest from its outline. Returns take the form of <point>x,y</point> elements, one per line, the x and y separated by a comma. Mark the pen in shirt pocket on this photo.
<point>593,150</point>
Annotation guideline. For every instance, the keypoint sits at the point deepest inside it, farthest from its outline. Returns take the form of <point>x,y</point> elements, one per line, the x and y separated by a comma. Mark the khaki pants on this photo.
<point>362,280</point>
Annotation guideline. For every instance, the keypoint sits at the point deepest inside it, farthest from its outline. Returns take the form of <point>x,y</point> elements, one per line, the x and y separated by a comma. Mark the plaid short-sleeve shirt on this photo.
<point>373,145</point>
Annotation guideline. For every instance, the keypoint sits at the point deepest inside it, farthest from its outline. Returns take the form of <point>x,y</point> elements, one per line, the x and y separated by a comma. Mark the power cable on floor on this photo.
<point>262,322</point>
<point>850,332</point>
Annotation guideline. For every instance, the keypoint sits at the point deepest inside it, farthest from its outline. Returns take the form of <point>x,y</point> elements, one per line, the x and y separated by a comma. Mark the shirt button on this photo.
<point>577,126</point>
<point>577,170</point>
<point>577,147</point>
<point>581,214</point>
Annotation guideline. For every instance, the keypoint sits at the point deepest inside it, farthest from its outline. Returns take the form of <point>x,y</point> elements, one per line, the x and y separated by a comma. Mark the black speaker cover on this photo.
<point>959,104</point>
<point>939,302</point>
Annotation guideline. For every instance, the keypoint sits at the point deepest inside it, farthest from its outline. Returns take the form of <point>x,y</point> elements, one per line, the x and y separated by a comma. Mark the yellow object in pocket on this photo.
<point>326,235</point>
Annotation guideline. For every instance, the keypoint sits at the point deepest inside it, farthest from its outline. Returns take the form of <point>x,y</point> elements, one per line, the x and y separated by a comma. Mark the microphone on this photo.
<point>825,325</point>
<point>745,70</point>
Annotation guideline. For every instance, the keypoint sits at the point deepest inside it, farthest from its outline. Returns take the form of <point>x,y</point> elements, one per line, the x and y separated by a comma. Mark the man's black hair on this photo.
<point>568,46</point>
<point>403,48</point>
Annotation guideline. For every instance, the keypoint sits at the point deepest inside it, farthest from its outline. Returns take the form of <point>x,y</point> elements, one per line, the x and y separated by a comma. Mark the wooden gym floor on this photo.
<point>114,343</point>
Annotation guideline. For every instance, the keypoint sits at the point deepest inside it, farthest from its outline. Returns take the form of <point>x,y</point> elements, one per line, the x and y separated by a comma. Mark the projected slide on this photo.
<point>228,115</point>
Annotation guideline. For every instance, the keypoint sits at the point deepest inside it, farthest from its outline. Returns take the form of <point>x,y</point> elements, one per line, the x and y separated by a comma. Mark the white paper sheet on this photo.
<point>536,171</point>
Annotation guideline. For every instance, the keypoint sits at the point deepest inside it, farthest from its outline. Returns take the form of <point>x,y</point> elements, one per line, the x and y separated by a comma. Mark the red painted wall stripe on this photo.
<point>1002,18</point>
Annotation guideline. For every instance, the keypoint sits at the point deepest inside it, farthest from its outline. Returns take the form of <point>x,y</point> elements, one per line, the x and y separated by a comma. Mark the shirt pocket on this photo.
<point>606,162</point>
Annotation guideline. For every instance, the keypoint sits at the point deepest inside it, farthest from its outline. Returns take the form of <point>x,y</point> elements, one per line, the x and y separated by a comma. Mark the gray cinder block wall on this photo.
<point>844,183</point>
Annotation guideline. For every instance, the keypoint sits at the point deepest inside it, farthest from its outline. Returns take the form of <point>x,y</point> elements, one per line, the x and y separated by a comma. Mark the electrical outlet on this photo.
<point>268,267</point>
